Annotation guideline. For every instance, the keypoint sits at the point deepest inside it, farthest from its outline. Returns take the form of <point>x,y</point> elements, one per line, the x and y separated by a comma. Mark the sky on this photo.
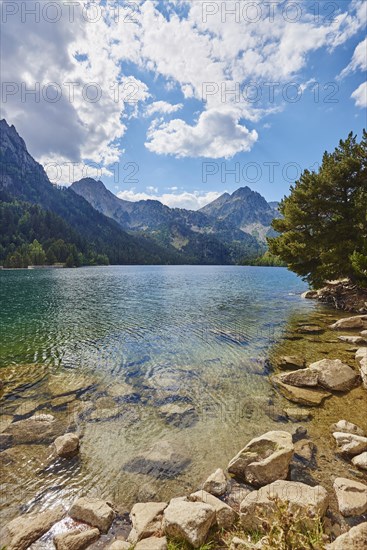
<point>181,101</point>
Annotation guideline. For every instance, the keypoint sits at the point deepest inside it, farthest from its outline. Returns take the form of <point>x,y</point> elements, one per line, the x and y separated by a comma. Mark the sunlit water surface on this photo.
<point>157,366</point>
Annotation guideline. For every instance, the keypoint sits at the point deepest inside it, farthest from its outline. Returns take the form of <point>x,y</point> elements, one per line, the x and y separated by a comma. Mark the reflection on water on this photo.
<point>163,371</point>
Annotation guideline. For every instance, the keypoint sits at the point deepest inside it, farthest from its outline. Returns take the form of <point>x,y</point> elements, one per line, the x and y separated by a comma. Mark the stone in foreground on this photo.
<point>355,322</point>
<point>310,397</point>
<point>153,543</point>
<point>334,375</point>
<point>93,511</point>
<point>351,496</point>
<point>22,531</point>
<point>360,461</point>
<point>225,515</point>
<point>310,501</point>
<point>76,540</point>
<point>347,427</point>
<point>146,519</point>
<point>264,459</point>
<point>350,444</point>
<point>216,484</point>
<point>67,445</point>
<point>355,539</point>
<point>189,521</point>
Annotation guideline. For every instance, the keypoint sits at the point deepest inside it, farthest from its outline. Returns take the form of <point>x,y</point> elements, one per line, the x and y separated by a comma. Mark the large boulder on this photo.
<point>347,427</point>
<point>355,539</point>
<point>67,446</point>
<point>350,444</point>
<point>225,515</point>
<point>360,461</point>
<point>22,531</point>
<point>76,540</point>
<point>264,459</point>
<point>146,520</point>
<point>190,521</point>
<point>311,397</point>
<point>153,543</point>
<point>355,322</point>
<point>351,496</point>
<point>93,511</point>
<point>310,501</point>
<point>216,484</point>
<point>334,375</point>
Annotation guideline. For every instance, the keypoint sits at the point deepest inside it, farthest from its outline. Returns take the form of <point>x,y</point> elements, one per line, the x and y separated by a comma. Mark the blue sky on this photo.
<point>181,139</point>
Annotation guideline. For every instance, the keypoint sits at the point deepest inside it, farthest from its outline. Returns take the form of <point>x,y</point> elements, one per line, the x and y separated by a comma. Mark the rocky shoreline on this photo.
<point>269,492</point>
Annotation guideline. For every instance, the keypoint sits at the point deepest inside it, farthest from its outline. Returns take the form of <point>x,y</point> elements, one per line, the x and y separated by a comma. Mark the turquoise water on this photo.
<point>136,341</point>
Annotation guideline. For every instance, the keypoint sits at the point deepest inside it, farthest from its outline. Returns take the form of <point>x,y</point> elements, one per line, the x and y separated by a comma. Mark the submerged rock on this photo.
<point>264,459</point>
<point>162,461</point>
<point>300,378</point>
<point>216,484</point>
<point>40,428</point>
<point>310,501</point>
<point>351,496</point>
<point>190,521</point>
<point>67,446</point>
<point>93,511</point>
<point>311,397</point>
<point>291,362</point>
<point>310,329</point>
<point>76,540</point>
<point>146,519</point>
<point>296,414</point>
<point>354,539</point>
<point>20,533</point>
<point>181,415</point>
<point>64,384</point>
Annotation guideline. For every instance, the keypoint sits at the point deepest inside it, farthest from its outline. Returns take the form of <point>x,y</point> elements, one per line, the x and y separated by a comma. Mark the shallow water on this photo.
<point>162,370</point>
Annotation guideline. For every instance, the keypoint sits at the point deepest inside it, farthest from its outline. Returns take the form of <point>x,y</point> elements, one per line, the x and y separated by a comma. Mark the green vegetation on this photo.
<point>182,545</point>
<point>267,259</point>
<point>323,232</point>
<point>30,235</point>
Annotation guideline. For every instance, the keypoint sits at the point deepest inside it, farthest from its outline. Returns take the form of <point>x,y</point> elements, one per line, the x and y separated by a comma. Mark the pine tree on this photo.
<point>323,232</point>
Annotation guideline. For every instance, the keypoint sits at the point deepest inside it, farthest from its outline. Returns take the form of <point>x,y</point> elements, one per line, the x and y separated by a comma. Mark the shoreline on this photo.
<point>301,462</point>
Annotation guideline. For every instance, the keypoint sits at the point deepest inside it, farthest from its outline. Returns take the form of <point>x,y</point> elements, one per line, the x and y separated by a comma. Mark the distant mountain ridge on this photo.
<point>24,179</point>
<point>229,230</point>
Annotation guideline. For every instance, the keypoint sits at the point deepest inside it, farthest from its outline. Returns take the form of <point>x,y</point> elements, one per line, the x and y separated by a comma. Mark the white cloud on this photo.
<point>190,201</point>
<point>162,107</point>
<point>359,59</point>
<point>360,95</point>
<point>183,50</point>
<point>217,134</point>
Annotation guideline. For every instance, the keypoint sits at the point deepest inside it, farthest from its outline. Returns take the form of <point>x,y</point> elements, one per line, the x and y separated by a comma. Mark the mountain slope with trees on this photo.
<point>23,179</point>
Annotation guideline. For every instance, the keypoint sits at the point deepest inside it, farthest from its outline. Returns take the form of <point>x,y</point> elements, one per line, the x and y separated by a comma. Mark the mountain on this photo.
<point>246,210</point>
<point>195,236</point>
<point>24,180</point>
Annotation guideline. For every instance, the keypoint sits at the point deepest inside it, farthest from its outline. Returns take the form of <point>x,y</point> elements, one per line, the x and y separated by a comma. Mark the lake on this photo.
<point>163,370</point>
